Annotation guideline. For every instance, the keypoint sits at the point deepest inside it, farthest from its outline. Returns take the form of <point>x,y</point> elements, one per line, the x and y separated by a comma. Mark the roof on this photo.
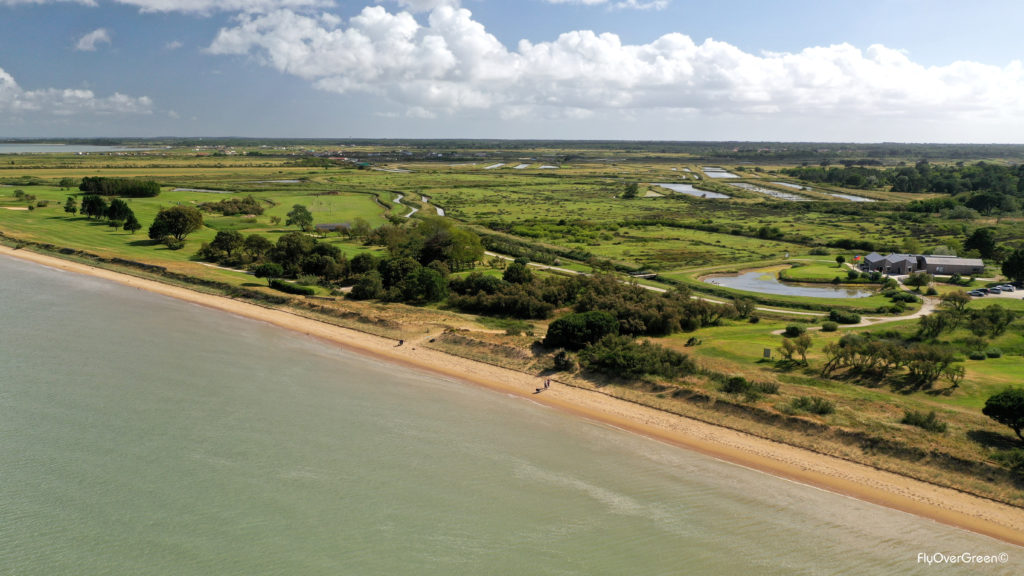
<point>874,257</point>
<point>900,258</point>
<point>953,261</point>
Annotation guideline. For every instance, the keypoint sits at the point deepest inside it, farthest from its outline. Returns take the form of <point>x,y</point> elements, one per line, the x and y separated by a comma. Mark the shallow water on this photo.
<point>769,283</point>
<point>691,191</point>
<point>143,435</point>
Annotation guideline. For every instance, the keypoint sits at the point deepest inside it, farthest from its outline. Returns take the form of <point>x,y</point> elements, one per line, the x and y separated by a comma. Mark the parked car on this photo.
<point>976,293</point>
<point>1006,288</point>
<point>994,291</point>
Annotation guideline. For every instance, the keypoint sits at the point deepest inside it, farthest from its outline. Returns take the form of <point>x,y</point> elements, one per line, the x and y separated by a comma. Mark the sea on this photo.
<point>141,435</point>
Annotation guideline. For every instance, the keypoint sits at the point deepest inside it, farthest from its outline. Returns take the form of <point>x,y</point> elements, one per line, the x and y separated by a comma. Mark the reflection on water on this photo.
<point>691,191</point>
<point>768,283</point>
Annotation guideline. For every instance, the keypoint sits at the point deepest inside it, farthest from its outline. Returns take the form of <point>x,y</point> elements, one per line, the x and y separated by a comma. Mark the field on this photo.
<point>574,205</point>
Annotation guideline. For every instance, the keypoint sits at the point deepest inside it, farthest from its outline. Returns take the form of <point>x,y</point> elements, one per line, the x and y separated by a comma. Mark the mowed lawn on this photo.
<point>50,224</point>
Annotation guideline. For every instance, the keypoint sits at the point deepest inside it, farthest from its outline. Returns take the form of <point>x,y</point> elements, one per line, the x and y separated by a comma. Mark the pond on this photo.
<point>715,172</point>
<point>772,193</point>
<point>766,281</point>
<point>849,197</point>
<point>690,190</point>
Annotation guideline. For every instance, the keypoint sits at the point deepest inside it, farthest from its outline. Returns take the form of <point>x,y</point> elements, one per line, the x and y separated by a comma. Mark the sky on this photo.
<point>752,70</point>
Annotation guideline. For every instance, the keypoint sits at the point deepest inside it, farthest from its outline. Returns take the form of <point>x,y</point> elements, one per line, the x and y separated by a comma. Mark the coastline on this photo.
<point>944,505</point>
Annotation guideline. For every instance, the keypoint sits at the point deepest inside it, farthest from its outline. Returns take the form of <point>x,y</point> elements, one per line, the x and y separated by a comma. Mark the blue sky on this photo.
<point>873,70</point>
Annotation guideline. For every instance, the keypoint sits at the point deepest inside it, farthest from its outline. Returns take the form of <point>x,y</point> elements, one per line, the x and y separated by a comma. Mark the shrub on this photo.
<point>278,284</point>
<point>843,317</point>
<point>754,319</point>
<point>931,291</point>
<point>574,331</point>
<point>813,405</point>
<point>829,326</point>
<point>620,356</point>
<point>565,361</point>
<point>793,330</point>
<point>308,280</point>
<point>767,387</point>
<point>977,355</point>
<point>929,421</point>
<point>852,275</point>
<point>994,353</point>
<point>43,203</point>
<point>736,385</point>
<point>173,243</point>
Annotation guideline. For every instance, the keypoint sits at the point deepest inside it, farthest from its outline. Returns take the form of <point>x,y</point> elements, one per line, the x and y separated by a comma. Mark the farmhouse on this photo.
<point>902,264</point>
<point>896,264</point>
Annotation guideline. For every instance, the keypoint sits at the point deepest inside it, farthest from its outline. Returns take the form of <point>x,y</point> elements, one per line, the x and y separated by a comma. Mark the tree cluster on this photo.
<point>125,187</point>
<point>117,214</point>
<point>234,206</point>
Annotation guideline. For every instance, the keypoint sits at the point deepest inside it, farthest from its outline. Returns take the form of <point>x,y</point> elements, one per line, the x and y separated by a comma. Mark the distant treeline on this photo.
<point>124,187</point>
<point>921,177</point>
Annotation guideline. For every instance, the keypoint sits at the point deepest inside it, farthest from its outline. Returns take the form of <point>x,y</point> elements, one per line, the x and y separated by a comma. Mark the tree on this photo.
<point>131,223</point>
<point>71,206</point>
<point>575,331</point>
<point>257,246</point>
<point>840,260</point>
<point>269,270</point>
<point>1013,266</point>
<point>299,216</point>
<point>983,240</point>
<point>94,206</point>
<point>228,241</point>
<point>118,211</point>
<point>1007,407</point>
<point>517,273</point>
<point>918,279</point>
<point>956,304</point>
<point>176,222</point>
<point>632,189</point>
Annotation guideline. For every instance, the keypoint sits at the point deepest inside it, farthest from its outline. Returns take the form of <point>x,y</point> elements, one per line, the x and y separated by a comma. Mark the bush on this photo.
<point>565,361</point>
<point>173,243</point>
<point>736,385</point>
<point>575,331</point>
<point>793,330</point>
<point>620,356</point>
<point>767,387</point>
<point>43,203</point>
<point>929,421</point>
<point>994,353</point>
<point>977,355</point>
<point>931,291</point>
<point>754,319</point>
<point>843,317</point>
<point>812,405</point>
<point>308,280</point>
<point>278,284</point>
<point>829,326</point>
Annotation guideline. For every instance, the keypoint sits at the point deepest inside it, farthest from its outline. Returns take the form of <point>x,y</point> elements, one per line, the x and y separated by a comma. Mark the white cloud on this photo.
<point>173,45</point>
<point>451,63</point>
<point>88,42</point>
<point>14,101</point>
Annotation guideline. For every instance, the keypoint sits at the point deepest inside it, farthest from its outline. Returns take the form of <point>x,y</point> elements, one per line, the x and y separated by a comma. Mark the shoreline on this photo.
<point>944,505</point>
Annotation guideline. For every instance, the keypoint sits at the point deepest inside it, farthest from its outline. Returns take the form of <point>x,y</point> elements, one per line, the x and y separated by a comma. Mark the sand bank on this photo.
<point>944,505</point>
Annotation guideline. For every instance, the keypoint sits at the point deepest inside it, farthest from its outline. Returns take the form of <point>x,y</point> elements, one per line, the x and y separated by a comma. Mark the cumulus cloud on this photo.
<point>14,100</point>
<point>88,42</point>
<point>451,63</point>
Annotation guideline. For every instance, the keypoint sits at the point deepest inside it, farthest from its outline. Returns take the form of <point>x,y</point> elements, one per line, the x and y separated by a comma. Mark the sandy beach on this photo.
<point>1000,521</point>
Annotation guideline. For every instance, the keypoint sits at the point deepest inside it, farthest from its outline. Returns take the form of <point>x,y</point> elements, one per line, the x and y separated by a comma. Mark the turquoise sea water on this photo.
<point>143,435</point>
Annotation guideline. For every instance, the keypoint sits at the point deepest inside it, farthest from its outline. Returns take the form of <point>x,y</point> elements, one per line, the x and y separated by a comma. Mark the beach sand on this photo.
<point>944,505</point>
